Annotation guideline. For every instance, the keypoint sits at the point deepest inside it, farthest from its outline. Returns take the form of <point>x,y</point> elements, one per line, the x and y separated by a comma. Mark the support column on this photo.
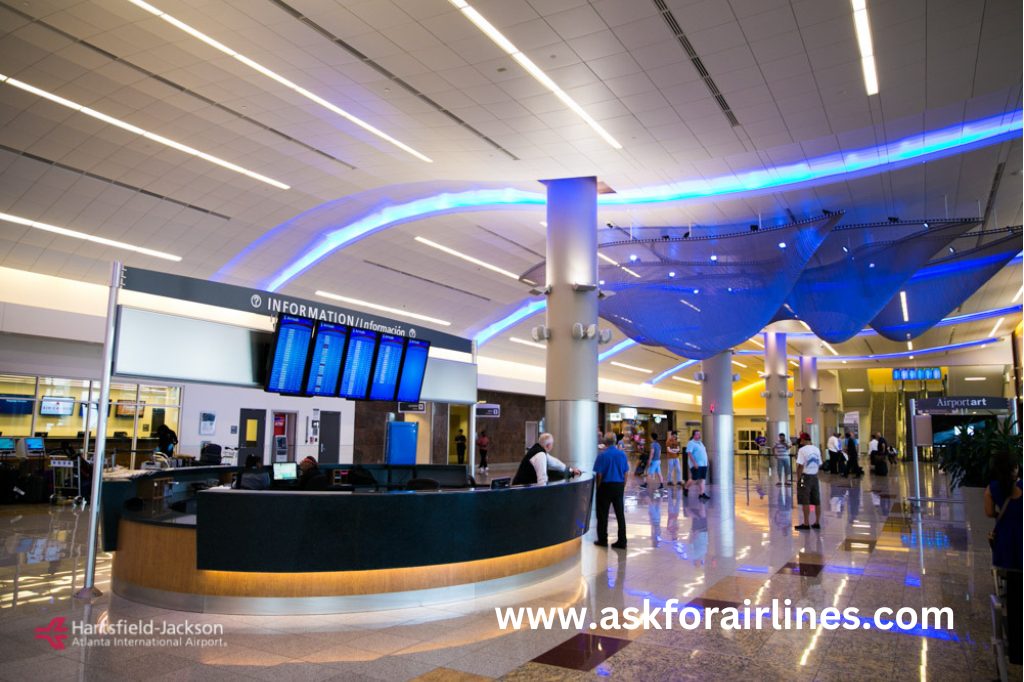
<point>776,374</point>
<point>571,367</point>
<point>716,417</point>
<point>809,407</point>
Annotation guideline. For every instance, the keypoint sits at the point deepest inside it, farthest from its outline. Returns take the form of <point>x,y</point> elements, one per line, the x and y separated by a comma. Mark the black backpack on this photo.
<point>361,476</point>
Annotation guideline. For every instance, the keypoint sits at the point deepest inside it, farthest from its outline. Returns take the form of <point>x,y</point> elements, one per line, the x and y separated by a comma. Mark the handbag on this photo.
<point>992,533</point>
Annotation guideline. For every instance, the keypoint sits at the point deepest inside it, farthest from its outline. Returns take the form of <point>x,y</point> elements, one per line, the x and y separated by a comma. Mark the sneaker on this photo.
<point>705,497</point>
<point>601,543</point>
<point>816,526</point>
<point>671,483</point>
<point>619,545</point>
<point>778,485</point>
<point>661,486</point>
<point>643,485</point>
<point>802,526</point>
<point>686,493</point>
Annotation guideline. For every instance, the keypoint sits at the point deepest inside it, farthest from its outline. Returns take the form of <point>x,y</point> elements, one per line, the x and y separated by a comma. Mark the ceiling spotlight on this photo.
<point>871,265</point>
<point>601,282</point>
<point>926,226</point>
<point>893,219</point>
<point>632,258</point>
<point>846,250</point>
<point>730,290</point>
<point>696,291</point>
<point>714,258</point>
<point>672,274</point>
<point>952,250</point>
<point>782,245</point>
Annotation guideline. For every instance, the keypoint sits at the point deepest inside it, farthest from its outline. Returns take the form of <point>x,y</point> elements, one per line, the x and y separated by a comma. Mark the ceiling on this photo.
<point>789,71</point>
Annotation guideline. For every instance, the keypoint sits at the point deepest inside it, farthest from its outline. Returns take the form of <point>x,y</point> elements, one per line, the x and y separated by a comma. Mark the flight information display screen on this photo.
<point>355,378</point>
<point>328,355</point>
<point>413,368</point>
<point>291,351</point>
<point>386,368</point>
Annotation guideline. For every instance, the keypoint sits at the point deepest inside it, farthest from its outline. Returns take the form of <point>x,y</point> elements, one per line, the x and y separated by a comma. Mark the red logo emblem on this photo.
<point>53,633</point>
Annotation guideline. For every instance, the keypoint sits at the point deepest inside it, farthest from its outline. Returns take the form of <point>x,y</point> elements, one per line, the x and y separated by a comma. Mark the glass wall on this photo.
<point>58,410</point>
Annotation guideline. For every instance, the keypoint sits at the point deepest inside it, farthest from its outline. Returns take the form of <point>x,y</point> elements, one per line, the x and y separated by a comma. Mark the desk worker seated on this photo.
<point>535,465</point>
<point>312,478</point>
<point>253,477</point>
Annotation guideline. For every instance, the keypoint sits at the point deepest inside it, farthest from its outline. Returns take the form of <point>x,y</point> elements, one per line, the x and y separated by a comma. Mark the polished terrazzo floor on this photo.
<point>870,552</point>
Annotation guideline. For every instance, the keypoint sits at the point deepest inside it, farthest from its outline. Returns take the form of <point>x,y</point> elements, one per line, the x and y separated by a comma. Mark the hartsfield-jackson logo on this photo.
<point>107,633</point>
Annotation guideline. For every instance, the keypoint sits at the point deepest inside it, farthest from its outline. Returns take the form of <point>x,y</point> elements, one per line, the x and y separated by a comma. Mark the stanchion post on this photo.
<point>89,590</point>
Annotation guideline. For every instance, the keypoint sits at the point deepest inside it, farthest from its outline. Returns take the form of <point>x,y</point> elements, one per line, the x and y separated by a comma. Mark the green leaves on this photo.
<point>968,458</point>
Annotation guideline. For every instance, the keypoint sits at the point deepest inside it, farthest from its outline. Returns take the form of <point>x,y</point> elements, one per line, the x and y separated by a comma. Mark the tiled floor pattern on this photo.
<point>871,552</point>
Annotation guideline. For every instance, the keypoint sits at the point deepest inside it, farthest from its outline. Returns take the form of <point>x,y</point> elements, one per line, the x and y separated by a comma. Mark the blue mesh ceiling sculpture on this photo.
<point>940,287</point>
<point>858,269</point>
<point>699,296</point>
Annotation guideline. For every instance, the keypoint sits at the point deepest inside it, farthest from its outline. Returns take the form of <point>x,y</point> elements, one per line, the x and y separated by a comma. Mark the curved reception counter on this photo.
<point>295,552</point>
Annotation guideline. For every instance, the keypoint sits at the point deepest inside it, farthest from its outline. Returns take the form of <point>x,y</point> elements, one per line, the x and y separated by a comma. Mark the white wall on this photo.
<point>228,401</point>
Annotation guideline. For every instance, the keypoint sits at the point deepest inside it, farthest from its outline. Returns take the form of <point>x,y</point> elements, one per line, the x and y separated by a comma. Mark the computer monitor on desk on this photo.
<point>286,471</point>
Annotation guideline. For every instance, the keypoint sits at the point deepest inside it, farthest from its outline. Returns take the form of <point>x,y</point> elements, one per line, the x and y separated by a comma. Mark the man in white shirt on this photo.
<point>781,449</point>
<point>808,459</point>
<point>872,446</point>
<point>535,465</point>
<point>835,452</point>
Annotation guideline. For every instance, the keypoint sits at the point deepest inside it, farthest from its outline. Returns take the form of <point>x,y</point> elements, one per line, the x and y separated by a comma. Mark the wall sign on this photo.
<point>953,403</point>
<point>413,408</point>
<point>917,374</point>
<point>268,303</point>
<point>488,410</point>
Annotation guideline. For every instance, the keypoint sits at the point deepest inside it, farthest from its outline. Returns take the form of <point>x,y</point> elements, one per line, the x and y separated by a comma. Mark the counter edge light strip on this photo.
<point>827,168</point>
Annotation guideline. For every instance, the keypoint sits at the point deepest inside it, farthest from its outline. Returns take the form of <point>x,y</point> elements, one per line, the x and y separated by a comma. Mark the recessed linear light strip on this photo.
<point>998,322</point>
<point>689,381</point>
<point>374,306</point>
<point>505,44</point>
<point>1019,293</point>
<point>609,260</point>
<point>464,257</point>
<point>139,131</point>
<point>903,305</point>
<point>524,342</point>
<point>277,77</point>
<point>867,50</point>
<point>87,237</point>
<point>635,369</point>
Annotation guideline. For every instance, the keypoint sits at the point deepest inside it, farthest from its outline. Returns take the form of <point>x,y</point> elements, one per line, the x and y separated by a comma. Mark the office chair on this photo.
<point>210,454</point>
<point>422,484</point>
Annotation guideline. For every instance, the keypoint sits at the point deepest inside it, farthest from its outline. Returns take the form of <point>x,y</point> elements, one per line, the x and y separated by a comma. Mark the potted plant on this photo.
<point>968,457</point>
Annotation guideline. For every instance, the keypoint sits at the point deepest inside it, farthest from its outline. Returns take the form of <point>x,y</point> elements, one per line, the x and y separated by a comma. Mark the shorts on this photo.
<point>808,492</point>
<point>699,473</point>
<point>654,467</point>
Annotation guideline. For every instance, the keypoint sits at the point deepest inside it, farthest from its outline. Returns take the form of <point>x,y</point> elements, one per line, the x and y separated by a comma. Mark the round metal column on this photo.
<point>716,417</point>
<point>809,407</point>
<point>571,367</point>
<point>776,374</point>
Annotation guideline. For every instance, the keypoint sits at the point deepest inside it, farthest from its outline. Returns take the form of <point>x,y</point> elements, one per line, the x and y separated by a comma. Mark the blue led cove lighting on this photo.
<point>667,372</point>
<point>531,308</point>
<point>917,148</point>
<point>616,349</point>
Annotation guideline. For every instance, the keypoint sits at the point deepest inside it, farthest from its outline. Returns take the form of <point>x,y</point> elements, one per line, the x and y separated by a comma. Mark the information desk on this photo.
<point>277,552</point>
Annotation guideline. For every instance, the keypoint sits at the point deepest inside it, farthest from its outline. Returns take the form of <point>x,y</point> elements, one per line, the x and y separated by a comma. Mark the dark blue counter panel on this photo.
<point>297,532</point>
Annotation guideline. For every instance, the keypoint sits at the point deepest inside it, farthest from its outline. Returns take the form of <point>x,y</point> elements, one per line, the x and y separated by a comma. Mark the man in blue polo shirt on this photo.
<point>610,469</point>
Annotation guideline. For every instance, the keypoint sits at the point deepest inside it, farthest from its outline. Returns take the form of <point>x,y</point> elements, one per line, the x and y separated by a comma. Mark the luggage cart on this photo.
<point>67,481</point>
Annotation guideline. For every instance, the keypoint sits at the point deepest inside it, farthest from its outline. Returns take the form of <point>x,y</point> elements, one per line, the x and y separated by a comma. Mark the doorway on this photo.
<point>252,428</point>
<point>458,420</point>
<point>330,437</point>
<point>284,436</point>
